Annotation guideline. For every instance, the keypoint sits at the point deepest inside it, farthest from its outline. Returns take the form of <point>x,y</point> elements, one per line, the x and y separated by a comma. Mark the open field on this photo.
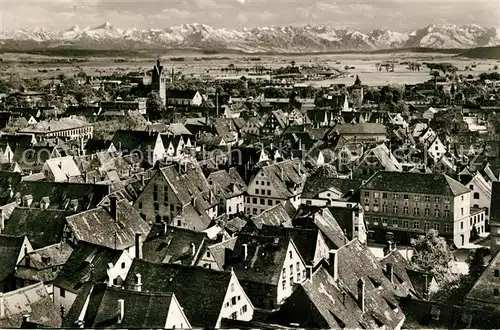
<point>196,65</point>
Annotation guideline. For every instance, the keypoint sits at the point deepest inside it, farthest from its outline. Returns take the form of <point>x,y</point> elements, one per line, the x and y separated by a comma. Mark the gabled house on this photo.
<point>350,291</point>
<point>267,269</point>
<point>319,191</point>
<point>274,184</point>
<point>116,226</point>
<point>275,123</point>
<point>207,296</point>
<point>436,149</point>
<point>43,265</point>
<point>276,216</point>
<point>149,144</point>
<point>99,145</point>
<point>6,153</point>
<point>377,159</point>
<point>175,145</point>
<point>29,304</point>
<point>173,245</point>
<point>12,251</point>
<point>229,188</point>
<point>252,126</point>
<point>362,132</point>
<point>115,307</point>
<point>213,255</point>
<point>180,196</point>
<point>176,97</point>
<point>480,193</point>
<point>61,169</point>
<point>89,264</point>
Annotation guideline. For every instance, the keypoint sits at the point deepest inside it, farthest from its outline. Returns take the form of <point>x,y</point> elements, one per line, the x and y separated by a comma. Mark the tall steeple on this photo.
<point>158,81</point>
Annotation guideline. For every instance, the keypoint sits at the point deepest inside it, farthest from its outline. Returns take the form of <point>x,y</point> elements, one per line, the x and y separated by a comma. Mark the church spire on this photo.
<point>358,81</point>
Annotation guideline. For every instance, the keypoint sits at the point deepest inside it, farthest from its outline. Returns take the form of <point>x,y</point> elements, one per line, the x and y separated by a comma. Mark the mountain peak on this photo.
<point>105,26</point>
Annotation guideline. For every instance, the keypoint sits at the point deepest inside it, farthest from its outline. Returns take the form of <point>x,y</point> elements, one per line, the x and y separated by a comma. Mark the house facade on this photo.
<point>408,204</point>
<point>274,184</point>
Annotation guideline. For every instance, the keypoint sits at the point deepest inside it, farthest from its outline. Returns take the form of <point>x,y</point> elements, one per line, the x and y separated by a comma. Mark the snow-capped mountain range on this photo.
<point>261,39</point>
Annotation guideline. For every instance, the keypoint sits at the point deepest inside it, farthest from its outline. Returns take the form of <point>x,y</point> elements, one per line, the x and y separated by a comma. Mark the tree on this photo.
<point>346,67</point>
<point>432,254</point>
<point>292,63</point>
<point>155,106</point>
<point>475,260</point>
<point>325,171</point>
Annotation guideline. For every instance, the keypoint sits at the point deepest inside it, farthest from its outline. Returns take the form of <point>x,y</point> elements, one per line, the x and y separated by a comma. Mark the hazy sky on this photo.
<point>401,15</point>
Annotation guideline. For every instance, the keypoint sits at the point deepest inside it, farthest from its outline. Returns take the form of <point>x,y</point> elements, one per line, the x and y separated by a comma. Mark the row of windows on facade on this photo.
<point>406,224</point>
<point>416,198</point>
<point>77,131</point>
<point>406,210</point>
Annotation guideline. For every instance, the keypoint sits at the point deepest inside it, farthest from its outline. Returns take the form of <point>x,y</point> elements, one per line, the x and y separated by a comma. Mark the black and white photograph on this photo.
<point>250,164</point>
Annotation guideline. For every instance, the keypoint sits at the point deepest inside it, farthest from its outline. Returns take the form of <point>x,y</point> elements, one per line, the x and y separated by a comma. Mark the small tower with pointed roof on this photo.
<point>357,91</point>
<point>158,81</point>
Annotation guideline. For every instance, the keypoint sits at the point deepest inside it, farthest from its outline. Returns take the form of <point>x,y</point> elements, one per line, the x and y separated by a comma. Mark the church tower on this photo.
<point>357,92</point>
<point>159,82</point>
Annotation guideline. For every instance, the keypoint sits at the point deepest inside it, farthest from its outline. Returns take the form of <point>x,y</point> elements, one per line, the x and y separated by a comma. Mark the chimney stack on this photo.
<point>389,268</point>
<point>2,221</point>
<point>361,294</point>
<point>282,175</point>
<point>245,251</point>
<point>309,273</point>
<point>334,264</point>
<point>138,282</point>
<point>426,286</point>
<point>193,249</point>
<point>121,309</point>
<point>142,179</point>
<point>138,246</point>
<point>165,227</point>
<point>2,306</point>
<point>112,207</point>
<point>26,318</point>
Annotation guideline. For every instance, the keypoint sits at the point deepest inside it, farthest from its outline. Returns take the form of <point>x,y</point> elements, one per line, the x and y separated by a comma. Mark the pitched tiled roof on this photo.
<point>219,250</point>
<point>181,94</point>
<point>356,261</point>
<point>227,184</point>
<point>78,270</point>
<point>315,185</point>
<point>142,309</point>
<point>495,202</point>
<point>274,216</point>
<point>10,248</point>
<point>264,259</point>
<point>361,129</point>
<point>60,194</point>
<point>42,227</point>
<point>130,140</point>
<point>416,183</point>
<point>483,289</point>
<point>285,174</point>
<point>57,125</point>
<point>174,246</point>
<point>384,156</point>
<point>200,291</point>
<point>401,269</point>
<point>43,263</point>
<point>328,306</point>
<point>323,219</point>
<point>33,299</point>
<point>97,226</point>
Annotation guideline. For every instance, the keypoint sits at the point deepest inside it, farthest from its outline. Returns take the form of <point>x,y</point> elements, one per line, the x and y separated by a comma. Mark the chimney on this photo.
<point>94,179</point>
<point>2,221</point>
<point>334,264</point>
<point>389,268</point>
<point>138,282</point>
<point>282,175</point>
<point>165,227</point>
<point>426,286</point>
<point>193,249</point>
<point>112,207</point>
<point>2,306</point>
<point>245,251</point>
<point>361,294</point>
<point>309,273</point>
<point>121,309</point>
<point>138,246</point>
<point>142,180</point>
<point>26,318</point>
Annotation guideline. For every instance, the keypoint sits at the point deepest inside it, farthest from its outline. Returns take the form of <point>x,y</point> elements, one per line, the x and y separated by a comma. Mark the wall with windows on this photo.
<point>417,213</point>
<point>237,305</point>
<point>293,271</point>
<point>118,272</point>
<point>480,194</point>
